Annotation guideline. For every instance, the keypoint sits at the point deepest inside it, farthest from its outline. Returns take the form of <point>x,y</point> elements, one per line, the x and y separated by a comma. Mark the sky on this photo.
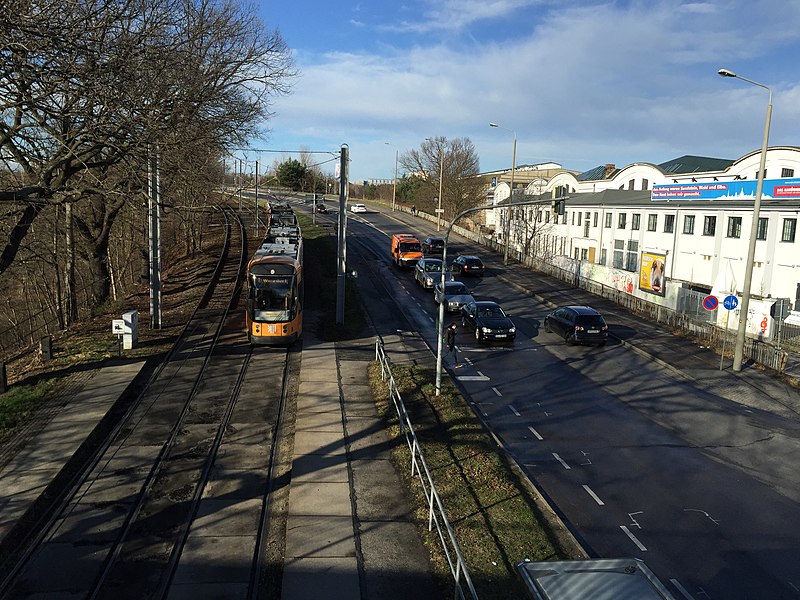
<point>581,83</point>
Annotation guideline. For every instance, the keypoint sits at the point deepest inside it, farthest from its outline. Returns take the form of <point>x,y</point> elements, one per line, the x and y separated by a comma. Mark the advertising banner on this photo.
<point>651,272</point>
<point>774,189</point>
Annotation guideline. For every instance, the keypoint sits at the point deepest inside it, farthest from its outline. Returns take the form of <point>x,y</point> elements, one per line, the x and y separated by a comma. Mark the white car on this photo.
<point>358,208</point>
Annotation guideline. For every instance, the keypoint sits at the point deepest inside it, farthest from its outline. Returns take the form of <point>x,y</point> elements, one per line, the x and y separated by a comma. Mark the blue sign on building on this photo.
<point>776,189</point>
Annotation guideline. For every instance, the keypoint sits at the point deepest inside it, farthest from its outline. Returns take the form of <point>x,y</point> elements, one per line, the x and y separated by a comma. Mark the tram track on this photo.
<point>200,442</point>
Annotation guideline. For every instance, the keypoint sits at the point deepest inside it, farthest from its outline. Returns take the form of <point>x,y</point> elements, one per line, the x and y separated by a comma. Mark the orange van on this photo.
<point>406,249</point>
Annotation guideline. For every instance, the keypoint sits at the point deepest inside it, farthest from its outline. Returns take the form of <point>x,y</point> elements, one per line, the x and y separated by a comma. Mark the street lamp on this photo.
<point>507,228</point>
<point>394,184</point>
<point>738,352</point>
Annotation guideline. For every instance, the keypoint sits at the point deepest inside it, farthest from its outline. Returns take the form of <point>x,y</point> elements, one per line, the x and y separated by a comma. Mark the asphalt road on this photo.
<point>636,459</point>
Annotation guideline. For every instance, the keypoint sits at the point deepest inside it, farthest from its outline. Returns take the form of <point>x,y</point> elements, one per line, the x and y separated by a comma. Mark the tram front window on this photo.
<point>272,298</point>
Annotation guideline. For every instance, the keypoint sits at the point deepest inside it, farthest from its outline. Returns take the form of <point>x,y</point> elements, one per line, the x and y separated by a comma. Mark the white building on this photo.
<point>662,231</point>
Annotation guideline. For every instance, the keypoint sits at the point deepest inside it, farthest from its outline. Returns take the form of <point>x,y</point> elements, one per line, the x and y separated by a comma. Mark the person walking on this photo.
<point>450,339</point>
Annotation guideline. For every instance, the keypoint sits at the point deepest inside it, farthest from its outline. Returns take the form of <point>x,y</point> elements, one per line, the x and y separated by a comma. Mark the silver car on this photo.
<point>428,272</point>
<point>455,295</point>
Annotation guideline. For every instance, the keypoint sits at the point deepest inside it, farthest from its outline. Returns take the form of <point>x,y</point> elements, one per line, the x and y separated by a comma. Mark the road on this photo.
<point>637,460</point>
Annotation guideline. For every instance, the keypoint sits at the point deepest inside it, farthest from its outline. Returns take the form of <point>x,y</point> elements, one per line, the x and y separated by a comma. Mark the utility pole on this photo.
<point>257,199</point>
<point>154,221</point>
<point>341,253</point>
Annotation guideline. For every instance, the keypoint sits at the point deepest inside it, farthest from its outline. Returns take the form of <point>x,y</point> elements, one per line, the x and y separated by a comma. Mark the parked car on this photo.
<point>467,265</point>
<point>488,321</point>
<point>321,208</point>
<point>433,245</point>
<point>358,208</point>
<point>429,271</point>
<point>455,295</point>
<point>577,325</point>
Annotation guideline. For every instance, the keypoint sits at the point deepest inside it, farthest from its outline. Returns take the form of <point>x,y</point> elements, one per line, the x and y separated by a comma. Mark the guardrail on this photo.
<point>436,513</point>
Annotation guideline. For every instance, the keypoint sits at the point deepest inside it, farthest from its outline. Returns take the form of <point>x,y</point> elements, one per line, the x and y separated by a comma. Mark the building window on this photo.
<point>669,223</point>
<point>632,257</point>
<point>564,218</point>
<point>577,253</point>
<point>789,230</point>
<point>621,220</point>
<point>596,214</point>
<point>652,222</point>
<point>580,217</point>
<point>619,254</point>
<point>608,220</point>
<point>572,212</point>
<point>635,220</point>
<point>787,173</point>
<point>765,174</point>
<point>631,183</point>
<point>709,225</point>
<point>645,183</point>
<point>734,227</point>
<point>547,216</point>
<point>586,228</point>
<point>584,254</point>
<point>688,224</point>
<point>603,256</point>
<point>761,232</point>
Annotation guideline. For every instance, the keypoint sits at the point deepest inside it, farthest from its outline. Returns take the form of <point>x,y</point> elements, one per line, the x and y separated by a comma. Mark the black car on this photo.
<point>433,245</point>
<point>577,325</point>
<point>467,265</point>
<point>488,321</point>
<point>321,208</point>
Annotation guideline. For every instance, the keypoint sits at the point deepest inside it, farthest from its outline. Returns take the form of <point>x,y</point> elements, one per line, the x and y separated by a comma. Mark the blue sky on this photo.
<point>582,83</point>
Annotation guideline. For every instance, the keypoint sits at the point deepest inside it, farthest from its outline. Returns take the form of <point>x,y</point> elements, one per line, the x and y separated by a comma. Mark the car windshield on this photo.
<point>591,321</point>
<point>409,247</point>
<point>432,267</point>
<point>491,312</point>
<point>456,289</point>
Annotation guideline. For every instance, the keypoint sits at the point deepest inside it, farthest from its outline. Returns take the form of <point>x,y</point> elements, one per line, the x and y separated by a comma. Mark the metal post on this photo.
<point>240,185</point>
<point>510,199</point>
<point>394,186</point>
<point>341,253</point>
<point>741,331</point>
<point>154,223</point>
<point>441,177</point>
<point>257,228</point>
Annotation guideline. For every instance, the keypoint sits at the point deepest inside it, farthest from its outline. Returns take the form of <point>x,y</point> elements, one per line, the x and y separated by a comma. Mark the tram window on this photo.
<point>273,299</point>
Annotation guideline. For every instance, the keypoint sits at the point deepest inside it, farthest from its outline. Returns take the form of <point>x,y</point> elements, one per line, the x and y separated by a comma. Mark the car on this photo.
<point>433,245</point>
<point>358,208</point>
<point>455,295</point>
<point>321,208</point>
<point>488,321</point>
<point>467,265</point>
<point>429,271</point>
<point>577,325</point>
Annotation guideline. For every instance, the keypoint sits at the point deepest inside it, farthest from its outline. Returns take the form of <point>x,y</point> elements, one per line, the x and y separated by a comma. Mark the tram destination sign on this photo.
<point>774,189</point>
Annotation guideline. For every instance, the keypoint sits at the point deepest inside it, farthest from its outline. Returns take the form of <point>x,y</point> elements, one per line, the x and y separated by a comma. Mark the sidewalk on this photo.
<point>350,532</point>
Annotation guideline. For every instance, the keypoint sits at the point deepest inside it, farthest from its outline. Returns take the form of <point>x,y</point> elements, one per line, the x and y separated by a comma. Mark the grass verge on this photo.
<point>497,520</point>
<point>19,403</point>
<point>320,265</point>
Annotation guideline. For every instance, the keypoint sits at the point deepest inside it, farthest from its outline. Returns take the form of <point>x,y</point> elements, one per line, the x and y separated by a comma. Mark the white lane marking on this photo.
<point>496,391</point>
<point>472,378</point>
<point>561,460</point>
<point>681,589</point>
<point>536,433</point>
<point>481,374</point>
<point>513,410</point>
<point>634,521</point>
<point>708,516</point>
<point>593,495</point>
<point>639,544</point>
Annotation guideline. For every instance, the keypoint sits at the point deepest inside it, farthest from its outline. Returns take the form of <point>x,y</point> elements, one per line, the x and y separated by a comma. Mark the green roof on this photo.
<point>694,164</point>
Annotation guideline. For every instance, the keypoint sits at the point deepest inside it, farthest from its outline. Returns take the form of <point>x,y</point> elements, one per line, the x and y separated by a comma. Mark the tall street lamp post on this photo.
<point>507,228</point>
<point>738,352</point>
<point>438,201</point>
<point>394,183</point>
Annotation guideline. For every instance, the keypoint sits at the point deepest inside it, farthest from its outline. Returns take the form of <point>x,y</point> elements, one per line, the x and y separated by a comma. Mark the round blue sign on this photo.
<point>710,302</point>
<point>730,302</point>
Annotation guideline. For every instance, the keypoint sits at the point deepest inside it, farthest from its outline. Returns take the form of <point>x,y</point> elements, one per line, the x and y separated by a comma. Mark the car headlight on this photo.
<point>512,330</point>
<point>486,330</point>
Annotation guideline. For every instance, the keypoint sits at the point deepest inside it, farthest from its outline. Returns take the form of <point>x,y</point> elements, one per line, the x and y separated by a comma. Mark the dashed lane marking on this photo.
<point>536,433</point>
<point>681,589</point>
<point>496,391</point>
<point>561,460</point>
<point>473,378</point>
<point>513,410</point>
<point>594,496</point>
<point>639,544</point>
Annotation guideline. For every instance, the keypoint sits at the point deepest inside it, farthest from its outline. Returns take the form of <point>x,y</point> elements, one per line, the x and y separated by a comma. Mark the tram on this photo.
<point>275,282</point>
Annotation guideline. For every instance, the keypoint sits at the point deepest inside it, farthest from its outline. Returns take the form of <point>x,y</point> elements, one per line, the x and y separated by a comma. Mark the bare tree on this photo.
<point>455,164</point>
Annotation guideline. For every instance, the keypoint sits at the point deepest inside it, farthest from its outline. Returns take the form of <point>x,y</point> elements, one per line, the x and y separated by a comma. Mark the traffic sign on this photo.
<point>710,302</point>
<point>730,302</point>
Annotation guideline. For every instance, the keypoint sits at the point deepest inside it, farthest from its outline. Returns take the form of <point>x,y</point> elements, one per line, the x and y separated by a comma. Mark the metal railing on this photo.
<point>436,512</point>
